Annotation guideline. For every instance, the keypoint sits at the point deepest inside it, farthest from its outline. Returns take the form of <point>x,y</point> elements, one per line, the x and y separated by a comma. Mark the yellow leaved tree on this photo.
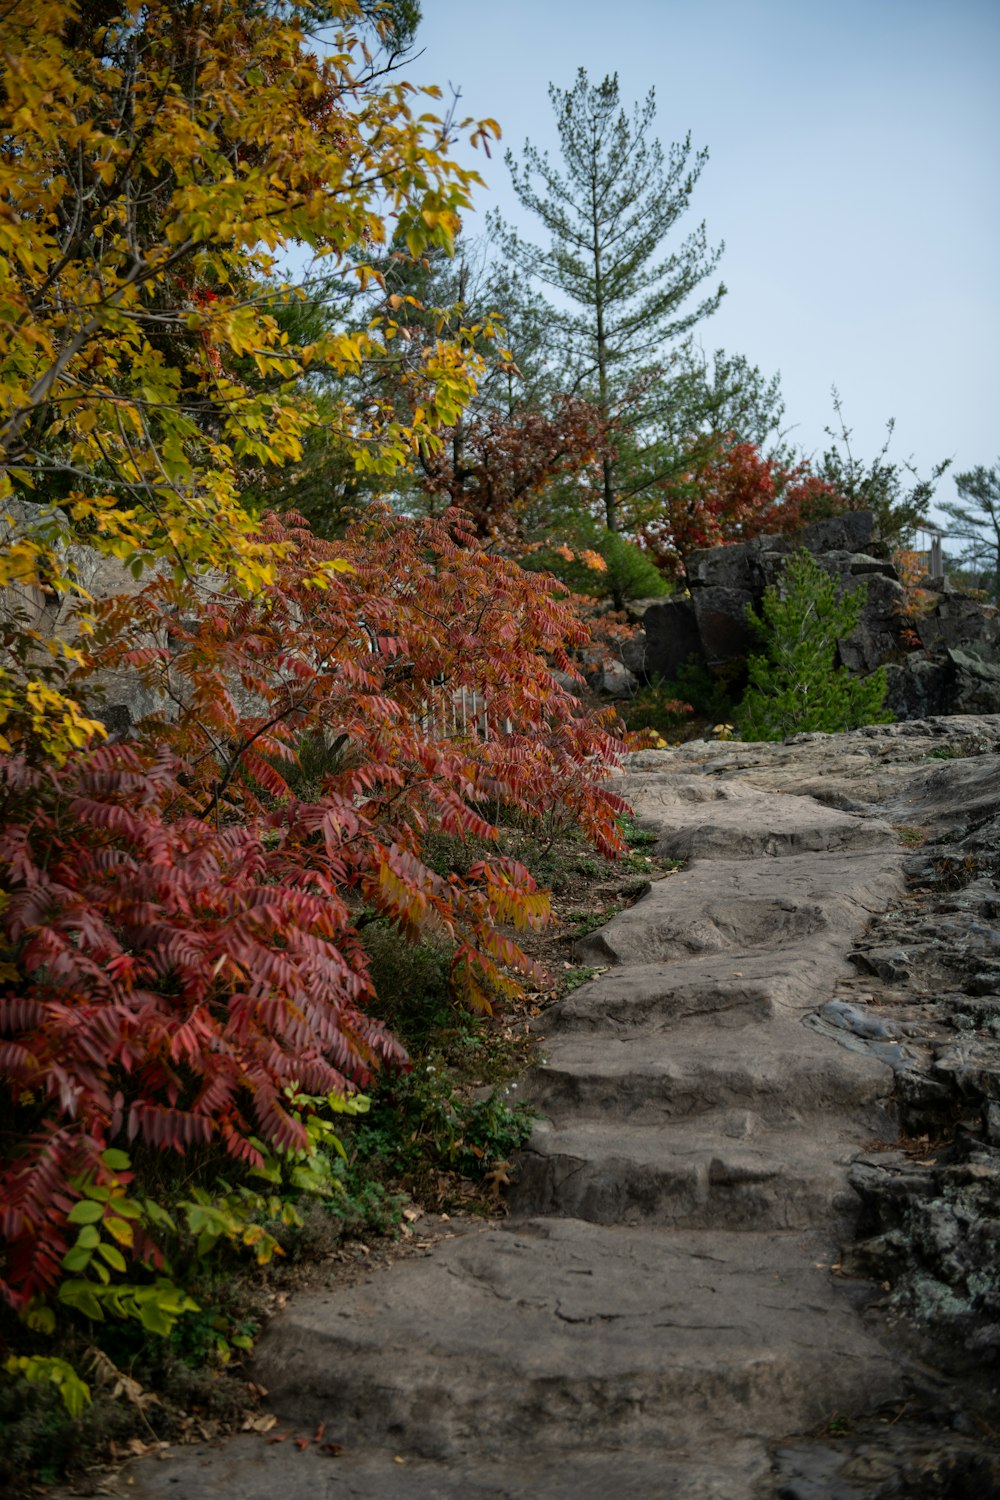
<point>156,161</point>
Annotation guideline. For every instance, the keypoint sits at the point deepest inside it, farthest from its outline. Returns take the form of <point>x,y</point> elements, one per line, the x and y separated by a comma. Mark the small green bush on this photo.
<point>421,1125</point>
<point>411,984</point>
<point>794,686</point>
<point>629,572</point>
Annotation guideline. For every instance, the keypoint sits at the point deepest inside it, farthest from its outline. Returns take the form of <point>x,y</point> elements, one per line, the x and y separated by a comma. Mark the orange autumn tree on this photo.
<point>156,160</point>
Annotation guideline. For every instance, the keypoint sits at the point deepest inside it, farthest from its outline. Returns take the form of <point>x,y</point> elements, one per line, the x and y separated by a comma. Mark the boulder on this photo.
<point>671,636</point>
<point>959,620</point>
<point>615,680</point>
<point>634,652</point>
<point>957,680</point>
<point>724,580</point>
<point>975,684</point>
<point>720,615</point>
<point>918,687</point>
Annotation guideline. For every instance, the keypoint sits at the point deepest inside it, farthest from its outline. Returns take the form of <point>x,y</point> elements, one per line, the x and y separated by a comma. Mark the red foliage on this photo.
<point>492,463</point>
<point>738,495</point>
<point>184,926</point>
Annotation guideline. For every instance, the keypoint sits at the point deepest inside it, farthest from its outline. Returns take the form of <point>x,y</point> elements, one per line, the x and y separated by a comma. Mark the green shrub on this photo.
<point>630,573</point>
<point>421,1125</point>
<point>794,686</point>
<point>411,984</point>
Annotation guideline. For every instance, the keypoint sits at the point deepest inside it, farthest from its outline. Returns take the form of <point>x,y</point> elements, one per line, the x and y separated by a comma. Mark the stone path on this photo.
<point>659,1308</point>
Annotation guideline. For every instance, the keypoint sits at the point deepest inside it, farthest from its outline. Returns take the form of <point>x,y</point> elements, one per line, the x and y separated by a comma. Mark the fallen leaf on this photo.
<point>301,1443</point>
<point>320,1432</point>
<point>259,1422</point>
<point>499,1177</point>
<point>333,1449</point>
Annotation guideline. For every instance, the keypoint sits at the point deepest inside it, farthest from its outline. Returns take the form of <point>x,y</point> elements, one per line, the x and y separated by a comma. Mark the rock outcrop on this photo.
<point>724,1184</point>
<point>944,660</point>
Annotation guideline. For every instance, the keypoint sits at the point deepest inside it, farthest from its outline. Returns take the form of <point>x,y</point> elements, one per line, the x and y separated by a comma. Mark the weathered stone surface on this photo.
<point>725,580</point>
<point>723,631</point>
<point>635,653</point>
<point>586,1352</point>
<point>253,1469</point>
<point>976,681</point>
<point>958,620</point>
<point>955,680</point>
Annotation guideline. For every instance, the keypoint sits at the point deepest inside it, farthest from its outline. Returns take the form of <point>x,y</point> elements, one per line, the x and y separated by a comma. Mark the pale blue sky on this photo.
<point>854,175</point>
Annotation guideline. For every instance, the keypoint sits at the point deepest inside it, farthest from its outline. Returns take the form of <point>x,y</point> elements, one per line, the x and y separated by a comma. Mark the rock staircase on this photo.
<point>660,1306</point>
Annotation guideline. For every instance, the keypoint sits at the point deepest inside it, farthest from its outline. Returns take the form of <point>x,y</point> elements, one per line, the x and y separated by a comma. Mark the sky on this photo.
<point>853,173</point>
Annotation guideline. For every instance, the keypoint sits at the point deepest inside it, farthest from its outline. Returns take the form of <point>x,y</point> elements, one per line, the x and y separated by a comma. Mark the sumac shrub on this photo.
<point>182,963</point>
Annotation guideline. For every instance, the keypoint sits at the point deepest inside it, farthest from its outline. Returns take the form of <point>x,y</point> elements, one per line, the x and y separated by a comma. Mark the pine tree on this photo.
<point>794,686</point>
<point>977,521</point>
<point>628,300</point>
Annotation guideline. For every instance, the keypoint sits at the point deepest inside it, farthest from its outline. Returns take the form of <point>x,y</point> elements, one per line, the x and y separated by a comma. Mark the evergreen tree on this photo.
<point>977,521</point>
<point>607,216</point>
<point>794,687</point>
<point>891,489</point>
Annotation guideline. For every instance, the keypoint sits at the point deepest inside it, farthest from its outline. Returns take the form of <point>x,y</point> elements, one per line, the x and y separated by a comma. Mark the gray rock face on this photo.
<point>724,581</point>
<point>670,636</point>
<point>661,1311</point>
<point>955,668</point>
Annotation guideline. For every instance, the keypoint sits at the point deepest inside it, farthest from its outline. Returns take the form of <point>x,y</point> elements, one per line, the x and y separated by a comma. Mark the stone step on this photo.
<point>781,1071</point>
<point>739,906</point>
<point>256,1468</point>
<point>735,990</point>
<point>555,1334</point>
<point>697,818</point>
<point>724,1172</point>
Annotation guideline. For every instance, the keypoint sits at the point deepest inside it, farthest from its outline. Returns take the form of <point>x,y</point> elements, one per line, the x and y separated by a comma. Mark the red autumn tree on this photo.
<point>495,461</point>
<point>738,494</point>
<point>180,928</point>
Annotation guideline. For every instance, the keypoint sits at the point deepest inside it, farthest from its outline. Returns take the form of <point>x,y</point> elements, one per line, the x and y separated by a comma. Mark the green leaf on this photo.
<point>89,1237</point>
<point>81,1296</point>
<point>269,1169</point>
<point>127,1208</point>
<point>158,1215</point>
<point>85,1212</point>
<point>40,1368</point>
<point>112,1255</point>
<point>117,1161</point>
<point>155,1319</point>
<point>76,1259</point>
<point>40,1319</point>
<point>119,1229</point>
